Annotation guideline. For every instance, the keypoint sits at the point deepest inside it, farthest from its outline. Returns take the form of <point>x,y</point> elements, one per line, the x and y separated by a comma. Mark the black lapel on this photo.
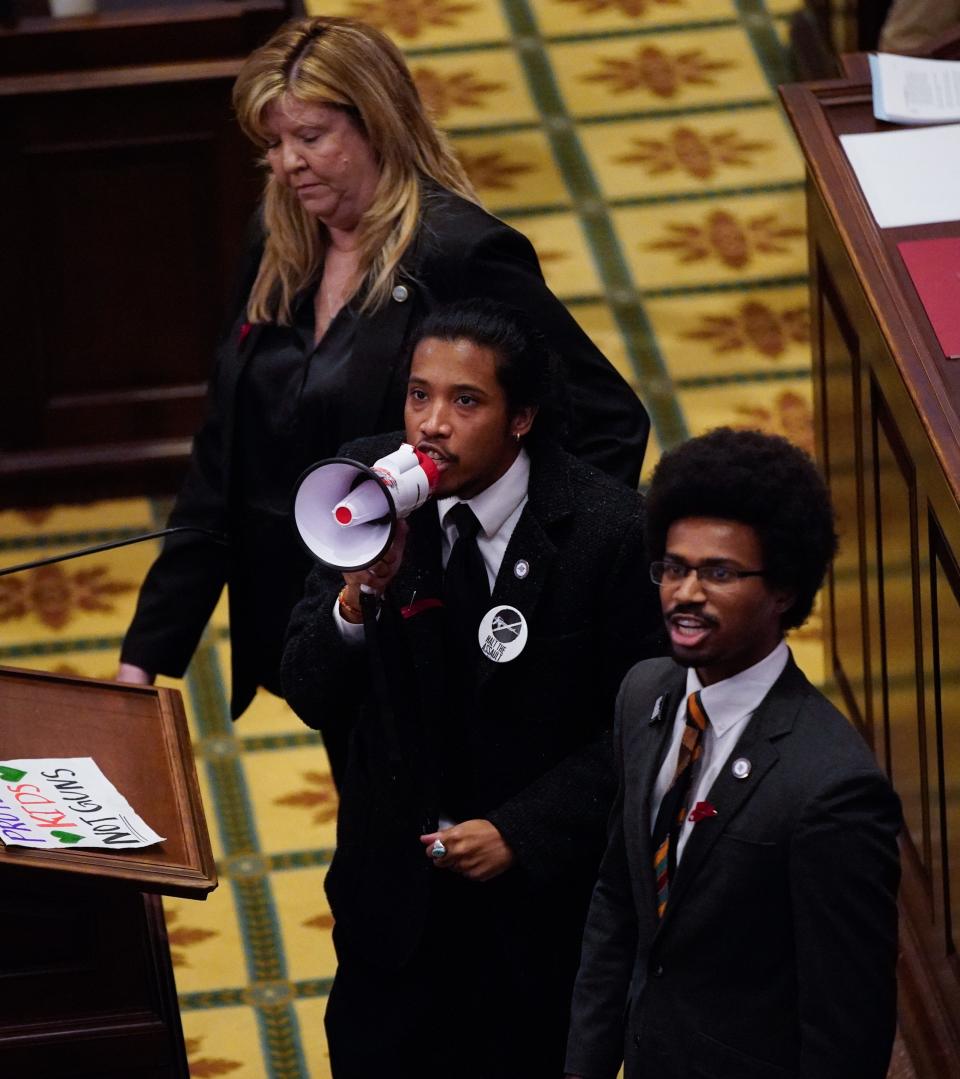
<point>772,719</point>
<point>549,501</point>
<point>378,350</point>
<point>229,377</point>
<point>640,774</point>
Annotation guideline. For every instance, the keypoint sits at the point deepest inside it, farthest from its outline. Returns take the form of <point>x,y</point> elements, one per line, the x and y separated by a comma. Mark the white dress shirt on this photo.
<point>497,508</point>
<point>729,704</point>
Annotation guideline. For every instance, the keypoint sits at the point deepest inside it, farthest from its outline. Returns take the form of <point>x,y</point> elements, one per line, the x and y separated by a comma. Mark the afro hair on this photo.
<point>759,480</point>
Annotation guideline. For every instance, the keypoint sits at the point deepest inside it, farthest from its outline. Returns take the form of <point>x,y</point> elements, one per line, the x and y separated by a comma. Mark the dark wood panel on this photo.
<point>946,661</point>
<point>125,196</point>
<point>841,456</point>
<point>137,33</point>
<point>86,986</point>
<point>900,659</point>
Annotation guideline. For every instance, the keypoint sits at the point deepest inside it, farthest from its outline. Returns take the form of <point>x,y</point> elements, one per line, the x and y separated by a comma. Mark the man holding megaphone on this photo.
<point>476,687</point>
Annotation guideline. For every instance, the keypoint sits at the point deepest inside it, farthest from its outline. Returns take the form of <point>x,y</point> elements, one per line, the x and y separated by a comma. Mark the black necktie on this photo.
<point>465,581</point>
<point>467,597</point>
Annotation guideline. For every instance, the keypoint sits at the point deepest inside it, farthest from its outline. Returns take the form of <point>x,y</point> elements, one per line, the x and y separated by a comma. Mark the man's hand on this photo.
<point>376,577</point>
<point>475,849</point>
<point>128,672</point>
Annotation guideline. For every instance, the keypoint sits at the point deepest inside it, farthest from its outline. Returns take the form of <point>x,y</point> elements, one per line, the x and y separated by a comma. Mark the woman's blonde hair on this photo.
<point>346,63</point>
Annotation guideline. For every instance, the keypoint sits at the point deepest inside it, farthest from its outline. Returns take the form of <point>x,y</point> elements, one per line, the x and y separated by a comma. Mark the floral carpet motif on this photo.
<point>639,145</point>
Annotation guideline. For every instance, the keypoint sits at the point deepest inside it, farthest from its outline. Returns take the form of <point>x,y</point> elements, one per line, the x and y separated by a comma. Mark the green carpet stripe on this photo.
<point>782,187</point>
<point>675,111</point>
<point>785,374</point>
<point>766,44</point>
<point>317,858</point>
<point>71,539</point>
<point>424,52</point>
<point>641,345</point>
<point>707,193</point>
<point>59,648</point>
<point>308,989</point>
<point>213,998</point>
<point>740,285</point>
<point>649,30</point>
<point>666,113</point>
<point>246,871</point>
<point>314,987</point>
<point>257,743</point>
<point>280,1038</point>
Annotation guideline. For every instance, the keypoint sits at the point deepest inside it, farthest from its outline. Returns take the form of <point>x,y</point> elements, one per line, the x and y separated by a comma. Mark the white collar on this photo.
<point>494,504</point>
<point>734,698</point>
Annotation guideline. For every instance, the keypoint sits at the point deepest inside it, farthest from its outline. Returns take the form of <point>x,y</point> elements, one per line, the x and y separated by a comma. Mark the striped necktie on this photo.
<point>673,807</point>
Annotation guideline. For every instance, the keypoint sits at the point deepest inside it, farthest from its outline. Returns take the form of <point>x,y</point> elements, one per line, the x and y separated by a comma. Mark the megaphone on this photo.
<point>347,513</point>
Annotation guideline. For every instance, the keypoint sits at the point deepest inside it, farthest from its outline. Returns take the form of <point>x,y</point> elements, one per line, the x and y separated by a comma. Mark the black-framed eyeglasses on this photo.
<point>711,575</point>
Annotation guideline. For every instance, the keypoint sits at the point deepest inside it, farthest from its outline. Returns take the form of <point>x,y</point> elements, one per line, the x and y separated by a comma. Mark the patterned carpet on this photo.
<point>639,144</point>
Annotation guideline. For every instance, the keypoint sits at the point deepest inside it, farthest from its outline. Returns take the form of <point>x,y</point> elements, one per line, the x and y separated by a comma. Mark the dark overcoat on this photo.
<point>536,746</point>
<point>460,252</point>
<point>775,958</point>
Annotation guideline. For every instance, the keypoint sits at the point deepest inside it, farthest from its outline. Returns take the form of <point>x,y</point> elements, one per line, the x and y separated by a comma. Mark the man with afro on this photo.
<point>744,925</point>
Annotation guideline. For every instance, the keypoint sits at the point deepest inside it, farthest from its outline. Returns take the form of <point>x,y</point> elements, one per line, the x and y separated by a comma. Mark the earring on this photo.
<point>516,435</point>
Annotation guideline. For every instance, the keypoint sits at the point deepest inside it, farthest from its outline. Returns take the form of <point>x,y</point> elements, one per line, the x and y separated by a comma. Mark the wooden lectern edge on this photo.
<point>181,882</point>
<point>197,836</point>
<point>135,868</point>
<point>830,174</point>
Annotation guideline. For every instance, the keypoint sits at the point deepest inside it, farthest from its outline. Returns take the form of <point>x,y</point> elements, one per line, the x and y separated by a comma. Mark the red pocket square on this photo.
<point>701,811</point>
<point>420,605</point>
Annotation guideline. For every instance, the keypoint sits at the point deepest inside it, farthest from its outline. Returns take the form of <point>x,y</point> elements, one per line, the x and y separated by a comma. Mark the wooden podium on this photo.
<point>86,983</point>
<point>887,413</point>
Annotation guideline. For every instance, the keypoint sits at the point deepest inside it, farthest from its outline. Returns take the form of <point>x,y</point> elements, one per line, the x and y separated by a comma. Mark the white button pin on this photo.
<point>741,768</point>
<point>400,293</point>
<point>521,568</point>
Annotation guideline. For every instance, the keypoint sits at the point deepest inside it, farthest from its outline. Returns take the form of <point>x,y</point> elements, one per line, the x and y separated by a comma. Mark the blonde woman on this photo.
<point>368,222</point>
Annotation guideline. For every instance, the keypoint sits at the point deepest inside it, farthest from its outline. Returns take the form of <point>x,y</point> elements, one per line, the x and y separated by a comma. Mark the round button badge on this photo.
<point>503,634</point>
<point>741,768</point>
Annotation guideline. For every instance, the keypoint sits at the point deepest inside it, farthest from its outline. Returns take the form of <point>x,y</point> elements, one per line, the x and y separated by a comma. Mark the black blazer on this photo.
<point>460,252</point>
<point>776,955</point>
<point>536,743</point>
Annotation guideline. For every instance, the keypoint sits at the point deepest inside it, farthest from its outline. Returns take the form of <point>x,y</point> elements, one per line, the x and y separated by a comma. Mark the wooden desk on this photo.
<point>888,438</point>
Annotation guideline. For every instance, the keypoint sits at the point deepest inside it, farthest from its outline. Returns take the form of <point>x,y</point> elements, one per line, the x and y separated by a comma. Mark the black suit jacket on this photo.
<point>776,955</point>
<point>460,252</point>
<point>535,745</point>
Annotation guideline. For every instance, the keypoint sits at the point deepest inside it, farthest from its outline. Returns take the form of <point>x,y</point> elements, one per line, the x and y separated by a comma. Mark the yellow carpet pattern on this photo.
<point>640,146</point>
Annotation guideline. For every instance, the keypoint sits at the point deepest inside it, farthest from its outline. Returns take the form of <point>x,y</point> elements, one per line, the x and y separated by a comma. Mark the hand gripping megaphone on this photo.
<point>347,513</point>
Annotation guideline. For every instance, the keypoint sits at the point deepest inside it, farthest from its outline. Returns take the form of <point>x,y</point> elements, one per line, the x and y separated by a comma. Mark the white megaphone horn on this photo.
<point>347,513</point>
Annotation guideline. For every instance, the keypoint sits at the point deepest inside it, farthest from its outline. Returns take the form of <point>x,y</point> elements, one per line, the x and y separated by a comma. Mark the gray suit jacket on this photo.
<point>776,955</point>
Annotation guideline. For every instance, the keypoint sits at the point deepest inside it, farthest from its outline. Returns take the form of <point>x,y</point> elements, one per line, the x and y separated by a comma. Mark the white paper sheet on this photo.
<point>49,804</point>
<point>911,90</point>
<point>909,177</point>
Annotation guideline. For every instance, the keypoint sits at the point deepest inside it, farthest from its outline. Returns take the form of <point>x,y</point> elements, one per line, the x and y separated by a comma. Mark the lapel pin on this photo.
<point>741,768</point>
<point>521,568</point>
<point>657,706</point>
<point>400,293</point>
